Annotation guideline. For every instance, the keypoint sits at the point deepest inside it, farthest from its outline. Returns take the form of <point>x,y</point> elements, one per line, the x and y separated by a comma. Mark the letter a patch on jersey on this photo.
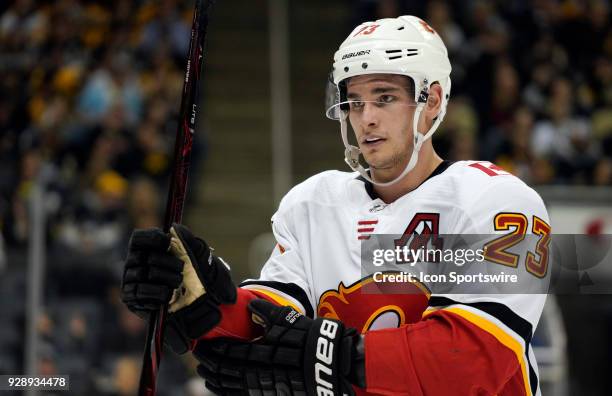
<point>422,232</point>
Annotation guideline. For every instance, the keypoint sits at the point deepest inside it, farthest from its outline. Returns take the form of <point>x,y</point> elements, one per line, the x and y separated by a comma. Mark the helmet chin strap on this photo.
<point>351,153</point>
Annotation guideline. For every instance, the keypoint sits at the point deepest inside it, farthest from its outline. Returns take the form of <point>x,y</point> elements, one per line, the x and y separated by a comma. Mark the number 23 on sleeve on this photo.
<point>496,250</point>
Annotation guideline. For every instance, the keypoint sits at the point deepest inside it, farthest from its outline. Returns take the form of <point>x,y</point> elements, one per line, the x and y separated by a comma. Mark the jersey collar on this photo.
<point>369,187</point>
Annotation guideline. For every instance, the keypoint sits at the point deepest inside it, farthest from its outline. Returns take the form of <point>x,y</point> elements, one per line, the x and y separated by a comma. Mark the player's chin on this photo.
<point>372,153</point>
<point>377,162</point>
<point>371,159</point>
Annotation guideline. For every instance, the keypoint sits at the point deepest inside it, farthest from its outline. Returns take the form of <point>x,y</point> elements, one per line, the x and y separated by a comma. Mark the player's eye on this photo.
<point>386,99</point>
<point>356,104</point>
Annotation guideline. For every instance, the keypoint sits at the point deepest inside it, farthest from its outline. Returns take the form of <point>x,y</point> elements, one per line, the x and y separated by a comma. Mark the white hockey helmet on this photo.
<point>406,45</point>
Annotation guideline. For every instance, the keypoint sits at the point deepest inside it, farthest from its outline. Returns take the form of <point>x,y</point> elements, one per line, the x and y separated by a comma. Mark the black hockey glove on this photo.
<point>181,270</point>
<point>295,356</point>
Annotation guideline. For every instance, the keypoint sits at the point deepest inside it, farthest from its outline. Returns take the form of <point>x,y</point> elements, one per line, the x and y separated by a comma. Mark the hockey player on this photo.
<point>307,326</point>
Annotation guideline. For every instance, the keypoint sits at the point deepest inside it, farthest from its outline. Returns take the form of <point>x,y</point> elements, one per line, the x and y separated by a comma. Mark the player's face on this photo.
<point>384,129</point>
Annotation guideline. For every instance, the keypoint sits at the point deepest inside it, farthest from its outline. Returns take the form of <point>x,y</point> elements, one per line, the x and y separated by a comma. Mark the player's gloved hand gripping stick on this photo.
<point>174,269</point>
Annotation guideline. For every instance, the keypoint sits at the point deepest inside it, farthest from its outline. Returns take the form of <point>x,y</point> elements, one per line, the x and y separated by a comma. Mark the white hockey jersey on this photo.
<point>321,223</point>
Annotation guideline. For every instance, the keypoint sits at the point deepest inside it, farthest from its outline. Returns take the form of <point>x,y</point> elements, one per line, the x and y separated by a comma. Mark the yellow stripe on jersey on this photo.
<point>278,299</point>
<point>507,340</point>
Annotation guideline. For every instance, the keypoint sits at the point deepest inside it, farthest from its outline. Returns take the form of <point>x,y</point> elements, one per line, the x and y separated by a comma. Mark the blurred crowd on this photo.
<point>532,83</point>
<point>88,101</point>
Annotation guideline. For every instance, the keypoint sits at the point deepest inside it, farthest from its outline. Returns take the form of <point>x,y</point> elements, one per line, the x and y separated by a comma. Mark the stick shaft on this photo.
<point>178,183</point>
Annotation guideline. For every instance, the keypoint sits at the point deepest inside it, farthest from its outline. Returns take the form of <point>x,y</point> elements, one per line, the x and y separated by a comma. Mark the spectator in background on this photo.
<point>16,227</point>
<point>112,84</point>
<point>601,118</point>
<point>438,16</point>
<point>506,93</point>
<point>23,23</point>
<point>457,135</point>
<point>565,138</point>
<point>151,152</point>
<point>96,227</point>
<point>602,176</point>
<point>125,376</point>
<point>515,152</point>
<point>535,94</point>
<point>144,204</point>
<point>168,23</point>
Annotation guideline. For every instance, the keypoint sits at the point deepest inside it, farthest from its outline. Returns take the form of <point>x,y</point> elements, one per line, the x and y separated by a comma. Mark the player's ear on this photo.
<point>435,96</point>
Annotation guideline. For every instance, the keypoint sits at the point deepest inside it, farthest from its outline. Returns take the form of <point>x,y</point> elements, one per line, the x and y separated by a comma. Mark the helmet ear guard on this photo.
<point>424,94</point>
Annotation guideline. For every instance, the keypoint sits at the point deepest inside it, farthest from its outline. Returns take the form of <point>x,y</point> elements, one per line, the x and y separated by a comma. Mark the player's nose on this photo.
<point>370,115</point>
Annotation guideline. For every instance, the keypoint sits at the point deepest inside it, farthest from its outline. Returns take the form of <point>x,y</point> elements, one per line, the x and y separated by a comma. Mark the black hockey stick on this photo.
<point>178,182</point>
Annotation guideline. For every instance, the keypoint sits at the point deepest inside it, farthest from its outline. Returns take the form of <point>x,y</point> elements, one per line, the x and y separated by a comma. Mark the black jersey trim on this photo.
<point>439,169</point>
<point>290,289</point>
<point>505,315</point>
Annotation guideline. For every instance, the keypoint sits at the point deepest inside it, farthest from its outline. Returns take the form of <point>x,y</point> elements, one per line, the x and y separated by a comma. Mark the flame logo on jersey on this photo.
<point>369,305</point>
